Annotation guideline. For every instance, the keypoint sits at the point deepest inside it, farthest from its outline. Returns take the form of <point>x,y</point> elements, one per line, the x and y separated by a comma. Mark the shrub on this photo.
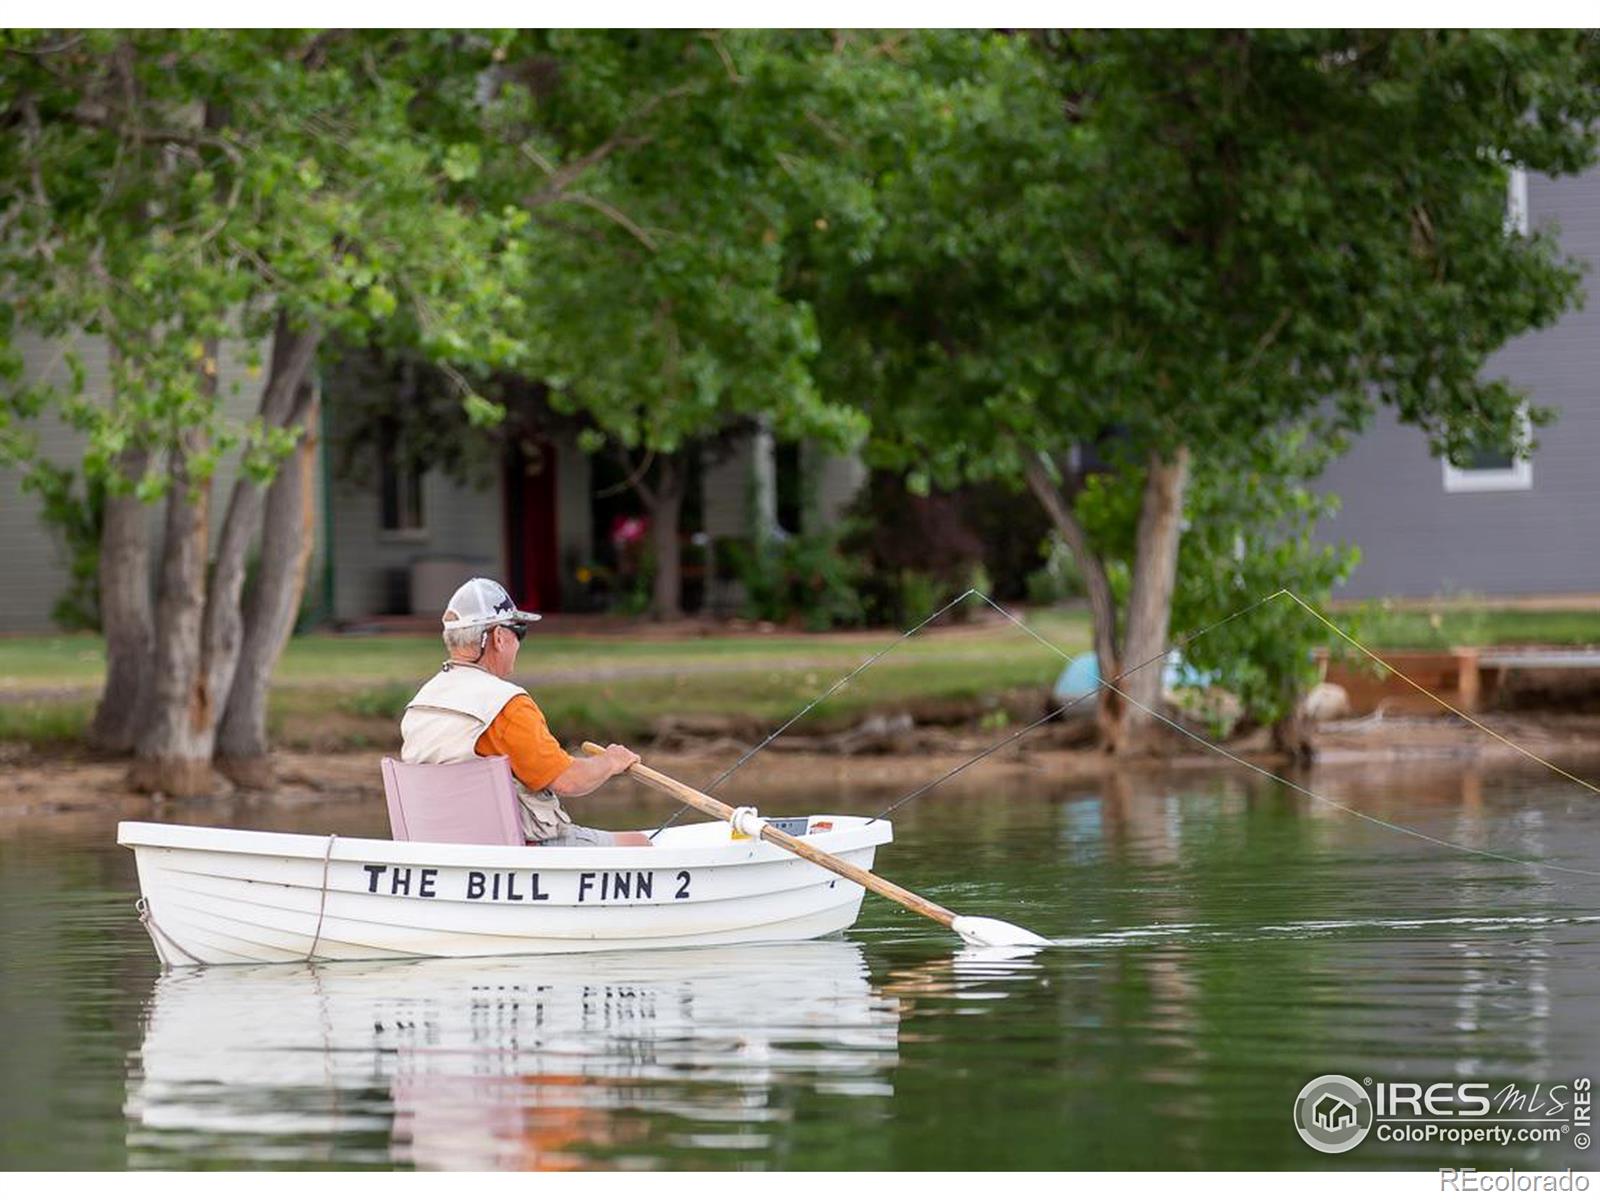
<point>76,518</point>
<point>1060,578</point>
<point>805,577</point>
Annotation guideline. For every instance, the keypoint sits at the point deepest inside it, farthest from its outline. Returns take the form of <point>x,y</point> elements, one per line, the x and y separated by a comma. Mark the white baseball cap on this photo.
<point>482,604</point>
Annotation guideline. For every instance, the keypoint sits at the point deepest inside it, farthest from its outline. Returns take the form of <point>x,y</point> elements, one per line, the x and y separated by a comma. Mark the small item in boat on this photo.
<point>793,826</point>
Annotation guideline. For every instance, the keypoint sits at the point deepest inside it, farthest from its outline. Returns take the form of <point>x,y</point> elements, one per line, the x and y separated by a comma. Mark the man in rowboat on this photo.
<point>472,708</point>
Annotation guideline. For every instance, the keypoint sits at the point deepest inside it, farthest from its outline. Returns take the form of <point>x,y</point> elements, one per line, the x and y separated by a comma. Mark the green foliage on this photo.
<point>917,551</point>
<point>75,517</point>
<point>1145,240</point>
<point>1061,576</point>
<point>987,244</point>
<point>183,189</point>
<point>1193,235</point>
<point>1250,526</point>
<point>636,587</point>
<point>677,166</point>
<point>804,577</point>
<point>913,595</point>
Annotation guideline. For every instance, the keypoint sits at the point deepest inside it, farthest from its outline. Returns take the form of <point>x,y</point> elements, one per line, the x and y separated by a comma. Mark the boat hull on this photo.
<point>221,896</point>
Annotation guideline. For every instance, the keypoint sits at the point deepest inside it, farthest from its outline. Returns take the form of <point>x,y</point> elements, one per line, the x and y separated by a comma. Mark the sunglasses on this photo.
<point>518,631</point>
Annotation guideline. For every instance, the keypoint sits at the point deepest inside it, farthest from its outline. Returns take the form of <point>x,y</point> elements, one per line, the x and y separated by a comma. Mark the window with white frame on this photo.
<point>1492,470</point>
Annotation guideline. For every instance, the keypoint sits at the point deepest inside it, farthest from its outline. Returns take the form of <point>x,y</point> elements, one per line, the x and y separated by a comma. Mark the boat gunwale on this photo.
<point>859,834</point>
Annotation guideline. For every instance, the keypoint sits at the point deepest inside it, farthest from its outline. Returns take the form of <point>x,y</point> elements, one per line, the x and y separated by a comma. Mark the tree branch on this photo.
<point>615,214</point>
<point>632,481</point>
<point>636,474</point>
<point>1101,603</point>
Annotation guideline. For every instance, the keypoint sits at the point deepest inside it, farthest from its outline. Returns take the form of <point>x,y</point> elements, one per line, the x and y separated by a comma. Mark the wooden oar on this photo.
<point>978,931</point>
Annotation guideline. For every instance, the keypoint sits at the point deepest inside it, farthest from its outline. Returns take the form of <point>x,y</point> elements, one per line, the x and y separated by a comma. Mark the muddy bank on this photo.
<point>66,792</point>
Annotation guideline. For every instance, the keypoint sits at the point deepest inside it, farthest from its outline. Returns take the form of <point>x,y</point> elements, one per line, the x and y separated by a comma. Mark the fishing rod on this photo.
<point>1392,826</point>
<point>1111,685</point>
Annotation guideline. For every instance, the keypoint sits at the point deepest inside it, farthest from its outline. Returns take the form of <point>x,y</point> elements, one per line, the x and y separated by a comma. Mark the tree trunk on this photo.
<point>173,750</point>
<point>273,603</point>
<point>292,354</point>
<point>1291,736</point>
<point>665,502</point>
<point>200,632</point>
<point>1155,574</point>
<point>125,616</point>
<point>1102,605</point>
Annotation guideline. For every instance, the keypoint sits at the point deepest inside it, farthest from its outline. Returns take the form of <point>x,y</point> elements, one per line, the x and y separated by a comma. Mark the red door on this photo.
<point>532,548</point>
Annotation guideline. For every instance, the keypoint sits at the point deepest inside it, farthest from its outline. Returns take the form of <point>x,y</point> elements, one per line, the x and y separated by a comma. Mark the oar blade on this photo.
<point>986,931</point>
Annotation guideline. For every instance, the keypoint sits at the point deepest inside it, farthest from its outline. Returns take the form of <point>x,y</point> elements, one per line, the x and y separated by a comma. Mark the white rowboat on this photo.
<point>216,896</point>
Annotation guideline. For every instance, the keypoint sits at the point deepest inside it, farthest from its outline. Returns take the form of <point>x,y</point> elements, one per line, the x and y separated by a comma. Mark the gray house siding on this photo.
<point>1417,539</point>
<point>372,569</point>
<point>33,563</point>
<point>383,572</point>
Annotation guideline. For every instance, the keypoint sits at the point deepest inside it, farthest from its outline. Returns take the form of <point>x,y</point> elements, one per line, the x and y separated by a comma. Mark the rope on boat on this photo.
<point>148,920</point>
<point>322,899</point>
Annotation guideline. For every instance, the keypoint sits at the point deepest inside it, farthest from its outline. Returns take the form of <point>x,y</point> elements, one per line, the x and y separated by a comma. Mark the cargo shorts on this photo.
<point>579,835</point>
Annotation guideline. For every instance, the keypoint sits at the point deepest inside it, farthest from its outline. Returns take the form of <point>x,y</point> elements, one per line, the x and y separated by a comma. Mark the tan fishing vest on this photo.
<point>446,717</point>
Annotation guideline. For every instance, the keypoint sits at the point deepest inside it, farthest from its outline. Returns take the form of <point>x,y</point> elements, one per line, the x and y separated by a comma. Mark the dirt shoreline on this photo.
<point>58,792</point>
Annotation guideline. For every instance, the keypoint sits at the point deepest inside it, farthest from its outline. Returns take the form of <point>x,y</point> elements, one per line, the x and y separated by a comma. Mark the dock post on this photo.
<point>1469,683</point>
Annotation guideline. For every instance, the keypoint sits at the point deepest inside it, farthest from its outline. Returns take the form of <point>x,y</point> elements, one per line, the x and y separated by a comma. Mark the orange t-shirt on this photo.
<point>520,733</point>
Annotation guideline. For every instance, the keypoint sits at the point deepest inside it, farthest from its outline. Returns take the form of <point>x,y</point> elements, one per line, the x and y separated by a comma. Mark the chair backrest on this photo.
<point>466,802</point>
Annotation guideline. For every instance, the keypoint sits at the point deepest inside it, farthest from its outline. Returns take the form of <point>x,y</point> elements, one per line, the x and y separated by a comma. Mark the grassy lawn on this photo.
<point>1009,686</point>
<point>350,690</point>
<point>1444,627</point>
<point>355,659</point>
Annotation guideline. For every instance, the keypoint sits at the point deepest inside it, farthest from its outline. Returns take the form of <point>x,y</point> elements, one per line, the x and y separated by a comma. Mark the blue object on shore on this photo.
<point>1078,678</point>
<point>1082,675</point>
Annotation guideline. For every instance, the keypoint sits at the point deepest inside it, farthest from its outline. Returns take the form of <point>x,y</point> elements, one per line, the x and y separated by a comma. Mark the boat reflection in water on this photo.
<point>690,1057</point>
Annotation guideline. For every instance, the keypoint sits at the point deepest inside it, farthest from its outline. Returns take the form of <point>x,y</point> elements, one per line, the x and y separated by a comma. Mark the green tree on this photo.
<point>188,191</point>
<point>1165,244</point>
<point>661,176</point>
<point>1249,526</point>
<point>669,328</point>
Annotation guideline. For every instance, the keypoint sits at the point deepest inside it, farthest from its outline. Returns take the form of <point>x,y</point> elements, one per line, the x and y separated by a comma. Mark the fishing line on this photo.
<point>1050,716</point>
<point>1344,808</point>
<point>839,683</point>
<point>1110,685</point>
<point>1260,770</point>
<point>1464,716</point>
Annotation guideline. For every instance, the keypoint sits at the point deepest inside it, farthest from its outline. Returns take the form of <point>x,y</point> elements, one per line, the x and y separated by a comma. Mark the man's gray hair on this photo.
<point>462,640</point>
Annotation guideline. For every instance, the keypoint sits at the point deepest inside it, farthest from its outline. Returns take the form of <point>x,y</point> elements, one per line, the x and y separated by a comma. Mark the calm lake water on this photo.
<point>1224,941</point>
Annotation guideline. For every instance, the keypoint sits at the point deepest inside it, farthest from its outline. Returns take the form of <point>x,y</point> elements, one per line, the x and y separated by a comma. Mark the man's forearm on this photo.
<point>582,777</point>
